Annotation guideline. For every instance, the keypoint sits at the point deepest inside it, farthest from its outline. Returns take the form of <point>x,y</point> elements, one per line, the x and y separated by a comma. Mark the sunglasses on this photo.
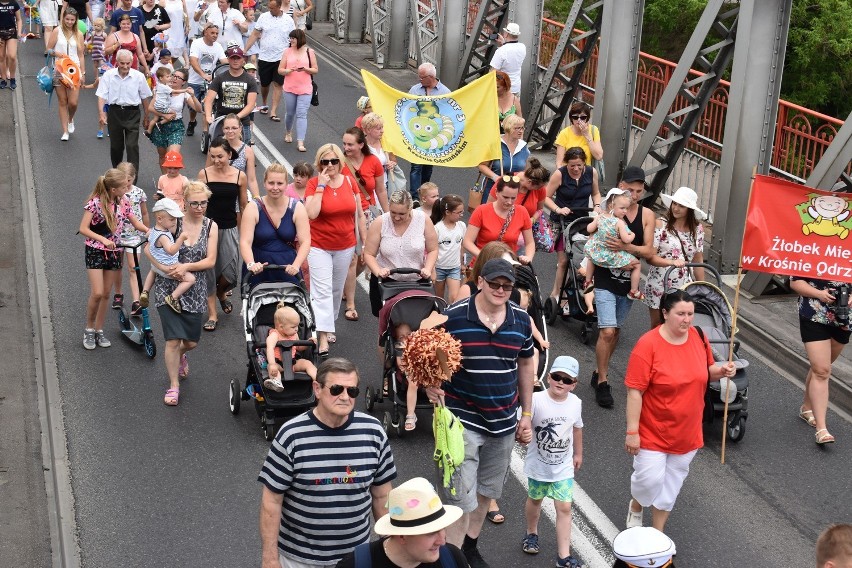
<point>563,379</point>
<point>331,162</point>
<point>337,390</point>
<point>579,116</point>
<point>197,204</point>
<point>496,286</point>
<point>508,178</point>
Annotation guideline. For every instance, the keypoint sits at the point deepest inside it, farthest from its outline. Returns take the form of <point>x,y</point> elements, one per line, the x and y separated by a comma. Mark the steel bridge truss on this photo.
<point>493,15</point>
<point>378,28</point>
<point>677,122</point>
<point>338,11</point>
<point>426,32</point>
<point>560,82</point>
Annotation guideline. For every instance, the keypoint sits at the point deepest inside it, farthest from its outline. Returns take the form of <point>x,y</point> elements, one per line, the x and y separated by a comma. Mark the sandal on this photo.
<point>263,109</point>
<point>210,325</point>
<point>410,422</point>
<point>353,311</point>
<point>495,517</point>
<point>172,396</point>
<point>183,369</point>
<point>301,147</point>
<point>331,338</point>
<point>636,295</point>
<point>227,306</point>
<point>807,416</point>
<point>824,437</point>
<point>274,118</point>
<point>288,138</point>
<point>588,286</point>
<point>323,354</point>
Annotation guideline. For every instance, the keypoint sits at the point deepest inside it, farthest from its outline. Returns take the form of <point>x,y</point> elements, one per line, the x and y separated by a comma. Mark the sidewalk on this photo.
<point>767,324</point>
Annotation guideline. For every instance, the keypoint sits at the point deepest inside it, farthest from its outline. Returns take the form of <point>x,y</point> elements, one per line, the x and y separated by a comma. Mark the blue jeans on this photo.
<point>420,174</point>
<point>612,309</point>
<point>297,110</point>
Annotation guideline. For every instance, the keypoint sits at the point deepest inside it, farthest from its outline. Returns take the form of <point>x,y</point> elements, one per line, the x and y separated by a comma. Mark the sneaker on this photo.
<point>594,381</point>
<point>13,84</point>
<point>530,544</point>
<point>118,301</point>
<point>143,299</point>
<point>101,339</point>
<point>603,395</point>
<point>173,304</point>
<point>100,134</point>
<point>89,339</point>
<point>3,84</point>
<point>474,558</point>
<point>274,384</point>
<point>64,137</point>
<point>190,128</point>
<point>71,127</point>
<point>135,309</point>
<point>634,518</point>
<point>568,562</point>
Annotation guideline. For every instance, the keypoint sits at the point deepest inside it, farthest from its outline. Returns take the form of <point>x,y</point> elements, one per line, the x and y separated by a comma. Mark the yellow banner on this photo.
<point>459,129</point>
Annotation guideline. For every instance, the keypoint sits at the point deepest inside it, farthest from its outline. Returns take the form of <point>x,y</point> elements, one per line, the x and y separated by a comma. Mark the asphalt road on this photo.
<point>157,486</point>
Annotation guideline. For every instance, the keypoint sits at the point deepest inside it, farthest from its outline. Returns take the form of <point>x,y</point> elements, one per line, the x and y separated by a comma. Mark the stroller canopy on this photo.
<point>410,307</point>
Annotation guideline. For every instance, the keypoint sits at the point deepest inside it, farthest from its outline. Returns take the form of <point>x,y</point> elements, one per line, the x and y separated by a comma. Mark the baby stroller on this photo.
<point>525,279</point>
<point>259,305</point>
<point>214,129</point>
<point>570,304</point>
<point>409,303</point>
<point>713,318</point>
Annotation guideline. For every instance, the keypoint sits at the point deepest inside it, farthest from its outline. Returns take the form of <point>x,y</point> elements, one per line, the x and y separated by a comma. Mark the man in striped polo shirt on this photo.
<point>496,376</point>
<point>324,473</point>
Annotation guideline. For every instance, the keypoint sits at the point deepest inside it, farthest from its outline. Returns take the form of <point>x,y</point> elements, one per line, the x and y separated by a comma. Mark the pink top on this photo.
<point>407,250</point>
<point>298,82</point>
<point>173,187</point>
<point>292,192</point>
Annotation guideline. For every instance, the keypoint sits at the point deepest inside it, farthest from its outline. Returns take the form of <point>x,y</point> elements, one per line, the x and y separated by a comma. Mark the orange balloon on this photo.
<point>69,72</point>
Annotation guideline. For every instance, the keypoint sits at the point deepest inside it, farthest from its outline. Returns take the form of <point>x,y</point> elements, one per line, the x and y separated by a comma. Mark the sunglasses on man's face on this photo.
<point>337,390</point>
<point>579,117</point>
<point>496,286</point>
<point>563,379</point>
<point>331,162</point>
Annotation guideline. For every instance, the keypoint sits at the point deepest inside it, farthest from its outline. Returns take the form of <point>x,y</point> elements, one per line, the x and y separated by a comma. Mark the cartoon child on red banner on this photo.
<point>828,212</point>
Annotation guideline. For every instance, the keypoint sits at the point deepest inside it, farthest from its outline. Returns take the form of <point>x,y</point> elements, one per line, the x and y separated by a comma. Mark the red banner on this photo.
<point>798,231</point>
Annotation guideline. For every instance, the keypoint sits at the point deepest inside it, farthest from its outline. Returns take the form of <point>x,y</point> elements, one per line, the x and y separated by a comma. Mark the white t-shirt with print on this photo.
<point>449,244</point>
<point>208,57</point>
<point>550,455</point>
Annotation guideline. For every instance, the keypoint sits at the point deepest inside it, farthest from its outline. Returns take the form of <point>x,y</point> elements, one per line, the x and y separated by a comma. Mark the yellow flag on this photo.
<point>459,129</point>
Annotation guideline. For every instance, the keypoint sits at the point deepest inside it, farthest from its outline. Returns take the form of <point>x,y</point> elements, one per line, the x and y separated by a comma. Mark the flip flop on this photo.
<point>331,338</point>
<point>227,306</point>
<point>210,325</point>
<point>172,396</point>
<point>347,312</point>
<point>323,355</point>
<point>495,517</point>
<point>263,109</point>
<point>274,118</point>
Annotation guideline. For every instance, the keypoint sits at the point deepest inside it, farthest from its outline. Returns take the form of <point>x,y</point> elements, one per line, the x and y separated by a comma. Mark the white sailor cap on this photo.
<point>643,547</point>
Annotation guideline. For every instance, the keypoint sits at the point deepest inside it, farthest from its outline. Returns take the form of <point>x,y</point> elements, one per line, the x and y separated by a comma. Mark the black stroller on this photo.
<point>713,317</point>
<point>526,279</point>
<point>570,304</point>
<point>215,128</point>
<point>409,303</point>
<point>259,305</point>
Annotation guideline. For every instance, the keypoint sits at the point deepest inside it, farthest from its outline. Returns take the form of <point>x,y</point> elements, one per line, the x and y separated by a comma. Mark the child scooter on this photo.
<point>143,336</point>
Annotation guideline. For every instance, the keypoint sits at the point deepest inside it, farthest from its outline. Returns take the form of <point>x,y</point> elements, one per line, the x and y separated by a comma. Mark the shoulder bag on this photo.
<point>474,194</point>
<point>315,95</point>
<point>375,210</point>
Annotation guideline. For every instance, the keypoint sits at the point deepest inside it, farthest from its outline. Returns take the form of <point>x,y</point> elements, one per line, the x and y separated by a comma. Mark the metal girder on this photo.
<point>426,31</point>
<point>399,34</point>
<point>452,42</point>
<point>560,83</point>
<point>528,15</point>
<point>493,15</point>
<point>832,166</point>
<point>674,120</point>
<point>338,9</point>
<point>378,24</point>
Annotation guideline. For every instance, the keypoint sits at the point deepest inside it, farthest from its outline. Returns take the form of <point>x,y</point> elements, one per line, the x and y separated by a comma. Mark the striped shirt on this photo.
<point>326,475</point>
<point>484,391</point>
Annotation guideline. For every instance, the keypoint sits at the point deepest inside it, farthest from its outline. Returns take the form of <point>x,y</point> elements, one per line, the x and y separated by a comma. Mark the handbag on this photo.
<point>309,22</point>
<point>474,195</point>
<point>543,234</point>
<point>315,94</point>
<point>397,180</point>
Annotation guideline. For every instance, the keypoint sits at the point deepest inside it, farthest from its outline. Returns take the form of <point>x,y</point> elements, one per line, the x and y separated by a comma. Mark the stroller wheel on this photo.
<point>234,396</point>
<point>551,310</point>
<point>584,335</point>
<point>369,402</point>
<point>204,141</point>
<point>386,421</point>
<point>268,428</point>
<point>736,427</point>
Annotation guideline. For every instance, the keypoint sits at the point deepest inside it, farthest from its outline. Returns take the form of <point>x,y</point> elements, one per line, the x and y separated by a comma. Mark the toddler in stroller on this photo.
<point>286,329</point>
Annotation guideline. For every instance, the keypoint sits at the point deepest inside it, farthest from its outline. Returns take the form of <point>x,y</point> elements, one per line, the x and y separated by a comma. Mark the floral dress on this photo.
<point>136,196</point>
<point>596,249</point>
<point>671,245</point>
<point>812,309</point>
<point>194,300</point>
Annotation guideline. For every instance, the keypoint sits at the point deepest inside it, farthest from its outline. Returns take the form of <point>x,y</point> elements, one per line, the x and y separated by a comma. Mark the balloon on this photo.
<point>81,25</point>
<point>68,72</point>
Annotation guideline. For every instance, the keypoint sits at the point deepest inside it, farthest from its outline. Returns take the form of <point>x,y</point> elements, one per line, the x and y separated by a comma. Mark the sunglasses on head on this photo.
<point>198,204</point>
<point>496,286</point>
<point>563,379</point>
<point>337,390</point>
<point>508,178</point>
<point>330,162</point>
<point>579,117</point>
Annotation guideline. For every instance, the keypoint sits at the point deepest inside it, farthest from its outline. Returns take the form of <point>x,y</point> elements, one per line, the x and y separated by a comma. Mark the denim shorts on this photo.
<point>199,90</point>
<point>612,309</point>
<point>444,273</point>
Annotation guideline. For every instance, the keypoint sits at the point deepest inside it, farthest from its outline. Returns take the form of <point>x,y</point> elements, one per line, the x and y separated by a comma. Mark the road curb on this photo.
<point>65,550</point>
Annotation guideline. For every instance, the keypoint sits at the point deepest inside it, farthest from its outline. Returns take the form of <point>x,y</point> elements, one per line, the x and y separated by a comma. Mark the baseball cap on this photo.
<point>633,173</point>
<point>165,53</point>
<point>250,66</point>
<point>169,206</point>
<point>234,51</point>
<point>497,267</point>
<point>567,365</point>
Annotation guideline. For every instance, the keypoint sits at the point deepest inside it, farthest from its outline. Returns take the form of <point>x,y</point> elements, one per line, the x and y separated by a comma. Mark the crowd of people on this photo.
<point>344,212</point>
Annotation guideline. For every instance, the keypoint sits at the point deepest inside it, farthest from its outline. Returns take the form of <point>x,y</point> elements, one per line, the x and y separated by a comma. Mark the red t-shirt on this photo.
<point>334,228</point>
<point>674,380</point>
<point>529,200</point>
<point>370,169</point>
<point>489,223</point>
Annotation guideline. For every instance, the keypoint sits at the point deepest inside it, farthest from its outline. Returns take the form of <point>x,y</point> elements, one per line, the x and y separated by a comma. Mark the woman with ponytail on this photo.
<point>104,217</point>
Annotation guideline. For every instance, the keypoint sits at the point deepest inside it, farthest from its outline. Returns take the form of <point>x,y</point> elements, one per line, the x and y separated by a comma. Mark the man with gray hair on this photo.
<point>120,92</point>
<point>429,85</point>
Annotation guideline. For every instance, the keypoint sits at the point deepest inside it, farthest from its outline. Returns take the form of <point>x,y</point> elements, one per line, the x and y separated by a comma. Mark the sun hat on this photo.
<point>567,365</point>
<point>614,192</point>
<point>643,547</point>
<point>497,267</point>
<point>363,103</point>
<point>414,508</point>
<point>172,159</point>
<point>513,29</point>
<point>169,206</point>
<point>686,197</point>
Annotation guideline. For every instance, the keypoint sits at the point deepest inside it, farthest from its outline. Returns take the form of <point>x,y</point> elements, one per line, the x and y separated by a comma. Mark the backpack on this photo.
<point>364,557</point>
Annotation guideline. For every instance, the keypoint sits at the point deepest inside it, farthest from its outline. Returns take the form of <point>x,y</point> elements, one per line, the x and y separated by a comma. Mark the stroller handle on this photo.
<point>405,271</point>
<point>707,267</point>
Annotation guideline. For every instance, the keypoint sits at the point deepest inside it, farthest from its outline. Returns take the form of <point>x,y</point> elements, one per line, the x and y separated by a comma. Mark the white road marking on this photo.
<point>263,141</point>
